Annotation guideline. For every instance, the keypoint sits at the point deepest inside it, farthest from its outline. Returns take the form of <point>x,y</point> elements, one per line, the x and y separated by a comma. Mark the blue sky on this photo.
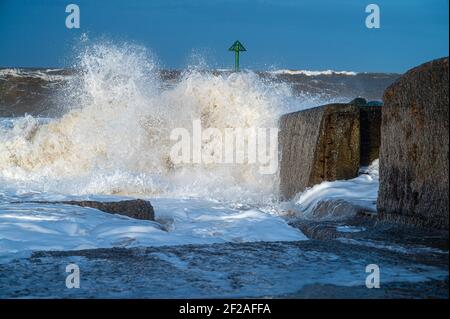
<point>295,34</point>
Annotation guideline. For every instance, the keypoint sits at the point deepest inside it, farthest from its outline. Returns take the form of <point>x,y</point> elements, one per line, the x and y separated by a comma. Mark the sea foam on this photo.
<point>114,133</point>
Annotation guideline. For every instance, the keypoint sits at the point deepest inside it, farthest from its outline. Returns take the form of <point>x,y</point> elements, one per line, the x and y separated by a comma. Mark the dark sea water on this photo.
<point>305,269</point>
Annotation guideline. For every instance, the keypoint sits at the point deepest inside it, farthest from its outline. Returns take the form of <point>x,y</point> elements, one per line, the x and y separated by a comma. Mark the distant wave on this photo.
<point>44,74</point>
<point>55,74</point>
<point>312,73</point>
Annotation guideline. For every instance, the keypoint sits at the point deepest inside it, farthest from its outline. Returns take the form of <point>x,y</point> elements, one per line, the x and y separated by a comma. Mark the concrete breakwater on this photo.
<point>326,143</point>
<point>414,147</point>
<point>409,134</point>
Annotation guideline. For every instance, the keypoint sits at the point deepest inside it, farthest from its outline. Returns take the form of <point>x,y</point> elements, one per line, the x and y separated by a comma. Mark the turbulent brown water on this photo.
<point>32,90</point>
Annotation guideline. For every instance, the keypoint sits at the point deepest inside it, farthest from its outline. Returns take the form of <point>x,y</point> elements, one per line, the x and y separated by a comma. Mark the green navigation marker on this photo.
<point>236,47</point>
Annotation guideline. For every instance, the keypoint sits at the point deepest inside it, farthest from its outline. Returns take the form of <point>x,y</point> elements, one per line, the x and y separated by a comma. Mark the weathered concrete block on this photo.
<point>414,147</point>
<point>318,144</point>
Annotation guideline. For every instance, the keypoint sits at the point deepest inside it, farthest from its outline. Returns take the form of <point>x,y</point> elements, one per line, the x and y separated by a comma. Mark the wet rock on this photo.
<point>414,151</point>
<point>136,208</point>
<point>334,209</point>
<point>359,101</point>
<point>318,144</point>
<point>372,231</point>
<point>374,103</point>
<point>247,270</point>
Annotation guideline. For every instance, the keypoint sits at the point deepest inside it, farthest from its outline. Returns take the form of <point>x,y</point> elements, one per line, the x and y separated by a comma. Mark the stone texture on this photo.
<point>135,208</point>
<point>414,147</point>
<point>334,209</point>
<point>370,134</point>
<point>318,144</point>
